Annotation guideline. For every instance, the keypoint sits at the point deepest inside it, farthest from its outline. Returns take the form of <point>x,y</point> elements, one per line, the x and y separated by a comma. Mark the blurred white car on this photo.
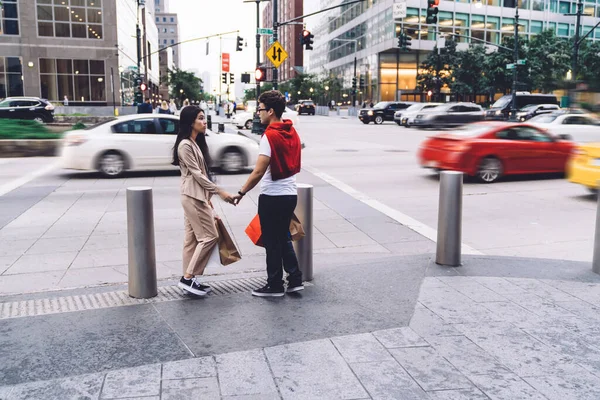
<point>244,120</point>
<point>145,142</point>
<point>407,116</point>
<point>581,128</point>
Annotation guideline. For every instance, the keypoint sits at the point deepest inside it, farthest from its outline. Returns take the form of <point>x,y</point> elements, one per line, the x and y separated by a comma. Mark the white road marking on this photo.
<point>16,183</point>
<point>396,215</point>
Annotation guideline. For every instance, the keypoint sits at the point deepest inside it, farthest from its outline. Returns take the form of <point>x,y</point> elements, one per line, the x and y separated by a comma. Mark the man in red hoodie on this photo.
<point>276,168</point>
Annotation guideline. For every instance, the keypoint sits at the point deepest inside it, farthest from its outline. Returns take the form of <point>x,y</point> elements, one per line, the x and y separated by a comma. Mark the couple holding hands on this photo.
<point>276,168</point>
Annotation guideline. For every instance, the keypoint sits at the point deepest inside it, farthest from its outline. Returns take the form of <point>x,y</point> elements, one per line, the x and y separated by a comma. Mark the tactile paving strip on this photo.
<point>61,304</point>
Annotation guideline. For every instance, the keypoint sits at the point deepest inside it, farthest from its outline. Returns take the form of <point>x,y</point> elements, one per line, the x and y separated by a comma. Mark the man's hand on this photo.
<point>237,199</point>
<point>226,197</point>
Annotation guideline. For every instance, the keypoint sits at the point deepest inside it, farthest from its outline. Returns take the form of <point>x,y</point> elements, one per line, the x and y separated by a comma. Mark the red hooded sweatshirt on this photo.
<point>285,149</point>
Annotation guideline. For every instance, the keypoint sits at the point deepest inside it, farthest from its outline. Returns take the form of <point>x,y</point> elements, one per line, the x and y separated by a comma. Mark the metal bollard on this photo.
<point>596,259</point>
<point>209,122</point>
<point>338,110</point>
<point>140,236</point>
<point>304,246</point>
<point>221,128</point>
<point>449,219</point>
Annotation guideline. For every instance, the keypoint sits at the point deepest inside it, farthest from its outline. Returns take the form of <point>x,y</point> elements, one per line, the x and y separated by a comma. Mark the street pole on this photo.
<point>138,35</point>
<point>513,108</point>
<point>576,48</point>
<point>257,49</point>
<point>397,73</point>
<point>354,88</point>
<point>275,38</point>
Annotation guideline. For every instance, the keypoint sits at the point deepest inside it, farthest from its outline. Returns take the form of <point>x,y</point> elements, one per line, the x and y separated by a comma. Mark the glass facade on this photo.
<point>9,17</point>
<point>79,80</point>
<point>81,19</point>
<point>11,77</point>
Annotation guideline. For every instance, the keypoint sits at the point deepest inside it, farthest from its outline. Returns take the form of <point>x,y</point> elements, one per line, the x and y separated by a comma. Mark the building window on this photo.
<point>11,77</point>
<point>536,26</point>
<point>564,7</point>
<point>164,30</point>
<point>9,17</point>
<point>172,41</point>
<point>172,19</point>
<point>164,19</point>
<point>563,30</point>
<point>172,30</point>
<point>157,19</point>
<point>79,19</point>
<point>79,80</point>
<point>165,41</point>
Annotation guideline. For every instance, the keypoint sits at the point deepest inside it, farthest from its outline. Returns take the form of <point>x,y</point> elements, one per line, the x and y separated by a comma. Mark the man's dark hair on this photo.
<point>273,99</point>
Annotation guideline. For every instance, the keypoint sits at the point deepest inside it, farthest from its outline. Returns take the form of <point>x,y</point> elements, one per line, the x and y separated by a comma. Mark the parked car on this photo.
<point>146,142</point>
<point>582,128</point>
<point>449,115</point>
<point>501,109</point>
<point>489,150</point>
<point>533,110</point>
<point>244,120</point>
<point>34,108</point>
<point>306,106</point>
<point>583,167</point>
<point>382,111</point>
<point>406,117</point>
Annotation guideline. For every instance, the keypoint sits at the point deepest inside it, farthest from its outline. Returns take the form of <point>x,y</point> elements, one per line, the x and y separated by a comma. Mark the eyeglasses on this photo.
<point>262,109</point>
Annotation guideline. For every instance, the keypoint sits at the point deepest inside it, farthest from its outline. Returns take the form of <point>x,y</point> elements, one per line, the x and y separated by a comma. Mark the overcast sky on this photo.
<point>199,18</point>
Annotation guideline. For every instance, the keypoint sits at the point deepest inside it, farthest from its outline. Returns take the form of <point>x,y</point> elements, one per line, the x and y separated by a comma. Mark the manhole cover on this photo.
<point>347,150</point>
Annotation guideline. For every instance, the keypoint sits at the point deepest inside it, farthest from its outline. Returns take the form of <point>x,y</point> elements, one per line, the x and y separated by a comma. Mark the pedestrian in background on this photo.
<point>66,101</point>
<point>145,108</point>
<point>164,108</point>
<point>276,169</point>
<point>191,154</point>
<point>172,107</point>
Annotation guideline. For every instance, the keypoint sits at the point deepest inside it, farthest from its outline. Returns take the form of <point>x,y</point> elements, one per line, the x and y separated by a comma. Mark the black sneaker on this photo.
<point>192,286</point>
<point>268,291</point>
<point>294,287</point>
<point>206,288</point>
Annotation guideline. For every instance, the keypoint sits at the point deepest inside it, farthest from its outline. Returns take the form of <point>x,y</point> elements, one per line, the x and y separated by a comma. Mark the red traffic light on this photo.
<point>305,33</point>
<point>260,75</point>
<point>143,87</point>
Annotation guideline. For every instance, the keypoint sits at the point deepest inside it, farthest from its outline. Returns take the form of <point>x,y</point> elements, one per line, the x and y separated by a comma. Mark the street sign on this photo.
<point>510,66</point>
<point>276,54</point>
<point>521,62</point>
<point>399,9</point>
<point>264,31</point>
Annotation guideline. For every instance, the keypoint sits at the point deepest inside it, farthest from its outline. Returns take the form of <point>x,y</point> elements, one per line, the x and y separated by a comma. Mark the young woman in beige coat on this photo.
<point>191,155</point>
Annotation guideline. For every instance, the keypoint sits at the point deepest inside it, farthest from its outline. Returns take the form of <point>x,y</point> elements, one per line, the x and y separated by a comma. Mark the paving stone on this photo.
<point>455,311</point>
<point>15,247</point>
<point>513,313</point>
<point>400,337</point>
<point>130,382</point>
<point>273,396</point>
<point>474,290</point>
<point>5,391</point>
<point>426,323</point>
<point>572,387</point>
<point>542,289</point>
<point>387,380</point>
<point>465,355</point>
<point>313,370</point>
<point>244,373</point>
<point>77,387</point>
<point>501,386</point>
<point>6,262</point>
<point>191,389</point>
<point>351,239</point>
<point>203,367</point>
<point>461,394</point>
<point>361,348</point>
<point>429,369</point>
<point>57,245</point>
<point>500,285</point>
<point>41,263</point>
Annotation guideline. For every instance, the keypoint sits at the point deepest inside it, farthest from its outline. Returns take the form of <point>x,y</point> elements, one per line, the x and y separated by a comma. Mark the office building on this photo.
<point>78,49</point>
<point>368,31</point>
<point>289,37</point>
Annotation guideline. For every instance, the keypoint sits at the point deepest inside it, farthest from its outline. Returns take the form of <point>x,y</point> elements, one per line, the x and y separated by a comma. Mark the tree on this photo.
<point>589,63</point>
<point>549,60</point>
<point>427,78</point>
<point>191,85</point>
<point>468,76</point>
<point>500,79</point>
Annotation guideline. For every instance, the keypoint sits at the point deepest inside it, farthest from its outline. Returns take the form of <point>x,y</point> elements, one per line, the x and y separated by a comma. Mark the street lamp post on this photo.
<point>513,108</point>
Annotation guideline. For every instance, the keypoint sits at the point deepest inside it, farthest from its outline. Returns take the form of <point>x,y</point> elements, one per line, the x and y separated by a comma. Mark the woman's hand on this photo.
<point>226,197</point>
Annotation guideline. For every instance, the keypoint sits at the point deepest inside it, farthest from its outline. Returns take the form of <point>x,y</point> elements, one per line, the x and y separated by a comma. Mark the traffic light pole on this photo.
<point>354,88</point>
<point>138,36</point>
<point>275,38</point>
<point>513,108</point>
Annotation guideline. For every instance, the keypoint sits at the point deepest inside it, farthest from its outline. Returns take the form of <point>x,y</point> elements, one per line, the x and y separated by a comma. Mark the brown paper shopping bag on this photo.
<point>227,248</point>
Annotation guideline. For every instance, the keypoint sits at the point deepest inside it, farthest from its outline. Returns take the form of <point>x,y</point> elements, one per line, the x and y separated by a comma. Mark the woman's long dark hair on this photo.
<point>186,121</point>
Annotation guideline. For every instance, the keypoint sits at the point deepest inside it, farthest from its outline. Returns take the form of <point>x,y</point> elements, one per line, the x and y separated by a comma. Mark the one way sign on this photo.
<point>276,54</point>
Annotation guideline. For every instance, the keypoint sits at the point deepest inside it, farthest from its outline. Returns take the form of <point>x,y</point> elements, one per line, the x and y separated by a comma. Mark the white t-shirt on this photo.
<point>281,187</point>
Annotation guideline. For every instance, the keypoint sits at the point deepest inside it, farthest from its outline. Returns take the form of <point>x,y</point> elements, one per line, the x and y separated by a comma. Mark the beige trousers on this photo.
<point>201,235</point>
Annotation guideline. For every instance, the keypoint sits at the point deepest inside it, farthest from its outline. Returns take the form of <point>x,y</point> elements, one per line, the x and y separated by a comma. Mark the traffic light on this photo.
<point>353,82</point>
<point>245,78</point>
<point>260,75</point>
<point>240,43</point>
<point>432,11</point>
<point>231,78</point>
<point>400,40</point>
<point>362,81</point>
<point>143,87</point>
<point>307,39</point>
<point>224,77</point>
<point>407,42</point>
<point>137,81</point>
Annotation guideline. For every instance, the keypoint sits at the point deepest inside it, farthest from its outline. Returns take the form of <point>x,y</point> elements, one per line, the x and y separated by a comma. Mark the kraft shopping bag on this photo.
<point>227,248</point>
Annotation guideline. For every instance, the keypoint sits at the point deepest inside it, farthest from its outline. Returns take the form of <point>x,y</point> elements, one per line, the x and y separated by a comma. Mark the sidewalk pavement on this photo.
<point>379,321</point>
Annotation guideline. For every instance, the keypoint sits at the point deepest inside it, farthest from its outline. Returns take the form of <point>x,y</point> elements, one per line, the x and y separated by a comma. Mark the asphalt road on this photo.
<point>530,216</point>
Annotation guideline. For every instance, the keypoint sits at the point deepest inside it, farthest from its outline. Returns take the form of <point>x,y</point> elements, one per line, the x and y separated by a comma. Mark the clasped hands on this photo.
<point>228,198</point>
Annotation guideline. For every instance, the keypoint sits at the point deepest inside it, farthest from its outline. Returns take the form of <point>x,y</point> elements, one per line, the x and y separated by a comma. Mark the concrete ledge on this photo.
<point>71,120</point>
<point>29,148</point>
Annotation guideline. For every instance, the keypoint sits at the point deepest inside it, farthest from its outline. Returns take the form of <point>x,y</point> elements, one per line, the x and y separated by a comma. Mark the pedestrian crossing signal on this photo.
<point>260,75</point>
<point>432,11</point>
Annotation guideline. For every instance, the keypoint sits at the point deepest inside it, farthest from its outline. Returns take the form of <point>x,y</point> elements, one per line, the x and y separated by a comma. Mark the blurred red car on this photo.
<point>489,150</point>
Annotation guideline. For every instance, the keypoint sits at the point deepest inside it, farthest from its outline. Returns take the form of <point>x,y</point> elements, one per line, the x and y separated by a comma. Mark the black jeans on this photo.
<point>275,213</point>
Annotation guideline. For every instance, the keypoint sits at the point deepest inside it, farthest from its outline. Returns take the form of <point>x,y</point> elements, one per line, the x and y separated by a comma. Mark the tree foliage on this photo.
<point>469,72</point>
<point>549,59</point>
<point>445,61</point>
<point>188,82</point>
